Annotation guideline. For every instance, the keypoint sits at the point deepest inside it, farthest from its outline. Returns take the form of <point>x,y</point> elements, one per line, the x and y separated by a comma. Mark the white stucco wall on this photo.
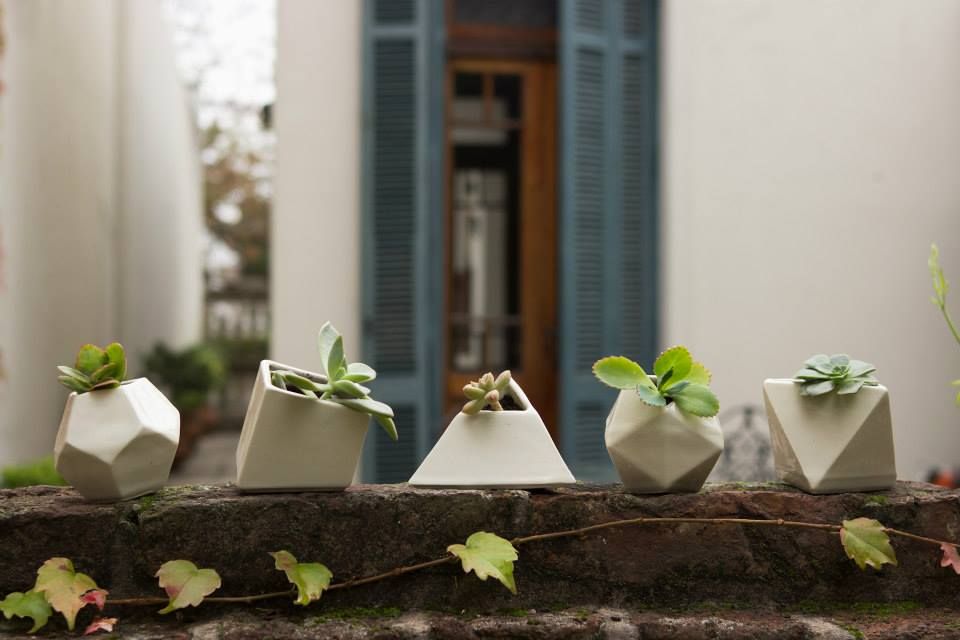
<point>90,162</point>
<point>315,225</point>
<point>811,153</point>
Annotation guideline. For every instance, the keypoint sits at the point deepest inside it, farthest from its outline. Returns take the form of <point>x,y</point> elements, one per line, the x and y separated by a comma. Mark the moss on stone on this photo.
<point>876,501</point>
<point>853,631</point>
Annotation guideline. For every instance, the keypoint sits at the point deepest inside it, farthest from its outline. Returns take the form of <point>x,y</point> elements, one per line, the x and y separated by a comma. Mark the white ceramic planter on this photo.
<point>831,443</point>
<point>291,442</point>
<point>495,449</point>
<point>118,443</point>
<point>660,449</point>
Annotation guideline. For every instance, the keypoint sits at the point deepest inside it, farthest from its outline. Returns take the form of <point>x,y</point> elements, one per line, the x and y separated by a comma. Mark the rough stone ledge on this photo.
<point>371,528</point>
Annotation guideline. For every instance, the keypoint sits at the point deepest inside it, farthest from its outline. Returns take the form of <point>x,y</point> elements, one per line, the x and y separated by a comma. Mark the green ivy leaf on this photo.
<point>185,584</point>
<point>31,604</point>
<point>310,578</point>
<point>866,543</point>
<point>117,356</point>
<point>676,359</point>
<point>64,588</point>
<point>621,373</point>
<point>651,396</point>
<point>90,358</point>
<point>696,399</point>
<point>487,555</point>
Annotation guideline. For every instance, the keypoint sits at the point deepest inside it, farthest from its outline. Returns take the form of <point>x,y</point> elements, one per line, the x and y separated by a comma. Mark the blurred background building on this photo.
<point>467,185</point>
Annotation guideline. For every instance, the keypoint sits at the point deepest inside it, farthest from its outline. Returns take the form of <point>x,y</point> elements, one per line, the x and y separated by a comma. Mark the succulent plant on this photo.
<point>822,374</point>
<point>485,392</point>
<point>95,369</point>
<point>678,379</point>
<point>343,383</point>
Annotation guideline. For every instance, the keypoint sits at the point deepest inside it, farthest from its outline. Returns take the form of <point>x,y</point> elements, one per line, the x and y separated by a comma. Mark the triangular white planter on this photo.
<point>660,449</point>
<point>291,442</point>
<point>831,443</point>
<point>495,449</point>
<point>118,443</point>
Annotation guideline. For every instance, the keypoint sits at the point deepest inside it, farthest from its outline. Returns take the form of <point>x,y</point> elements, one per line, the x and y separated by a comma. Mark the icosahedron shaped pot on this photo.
<point>118,443</point>
<point>291,442</point>
<point>660,449</point>
<point>831,443</point>
<point>495,449</point>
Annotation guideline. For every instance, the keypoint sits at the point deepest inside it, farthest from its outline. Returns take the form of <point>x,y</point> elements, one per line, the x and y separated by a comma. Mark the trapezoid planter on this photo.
<point>831,443</point>
<point>118,443</point>
<point>291,442</point>
<point>509,449</point>
<point>660,449</point>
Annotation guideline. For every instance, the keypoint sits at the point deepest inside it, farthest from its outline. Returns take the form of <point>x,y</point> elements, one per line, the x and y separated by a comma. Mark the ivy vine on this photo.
<point>59,587</point>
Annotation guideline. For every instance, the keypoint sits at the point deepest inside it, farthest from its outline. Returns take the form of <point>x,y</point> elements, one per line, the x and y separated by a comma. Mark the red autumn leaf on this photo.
<point>95,596</point>
<point>100,624</point>
<point>950,557</point>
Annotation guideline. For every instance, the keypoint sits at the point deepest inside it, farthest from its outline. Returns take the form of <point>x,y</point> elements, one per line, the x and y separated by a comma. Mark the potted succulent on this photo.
<point>662,432</point>
<point>830,427</point>
<point>117,438</point>
<point>498,440</point>
<point>305,430</point>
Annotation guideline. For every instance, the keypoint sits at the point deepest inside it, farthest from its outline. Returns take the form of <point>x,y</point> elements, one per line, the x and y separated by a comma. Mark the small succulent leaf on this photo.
<point>74,385</point>
<point>811,374</point>
<point>676,359</point>
<point>699,374</point>
<point>866,543</point>
<point>820,362</point>
<point>185,584</point>
<point>327,336</point>
<point>487,380</point>
<point>502,381</point>
<point>277,379</point>
<point>90,358</point>
<point>336,363</point>
<point>359,372</point>
<point>351,389</point>
<point>296,380</point>
<point>839,360</point>
<point>64,588</point>
<point>492,400</point>
<point>652,397</point>
<point>848,387</point>
<point>104,373</point>
<point>487,554</point>
<point>860,368</point>
<point>696,399</point>
<point>73,373</point>
<point>817,389</point>
<point>676,388</point>
<point>474,406</point>
<point>117,356</point>
<point>388,425</point>
<point>366,405</point>
<point>106,384</point>
<point>100,624</point>
<point>473,392</point>
<point>310,578</point>
<point>31,604</point>
<point>950,557</point>
<point>621,373</point>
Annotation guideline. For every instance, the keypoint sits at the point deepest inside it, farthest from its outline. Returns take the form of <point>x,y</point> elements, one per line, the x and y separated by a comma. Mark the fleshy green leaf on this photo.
<point>185,584</point>
<point>696,399</point>
<point>351,389</point>
<point>866,543</point>
<point>849,386</point>
<point>117,356</point>
<point>336,362</point>
<point>487,555</point>
<point>73,384</point>
<point>388,425</point>
<point>676,359</point>
<point>699,374</point>
<point>839,360</point>
<point>359,372</point>
<point>475,406</point>
<point>820,362</point>
<point>73,373</point>
<point>651,396</point>
<point>502,381</point>
<point>310,578</point>
<point>810,374</point>
<point>90,358</point>
<point>817,389</point>
<point>859,368</point>
<point>106,372</point>
<point>328,335</point>
<point>64,588</point>
<point>473,392</point>
<point>621,373</point>
<point>31,604</point>
<point>366,405</point>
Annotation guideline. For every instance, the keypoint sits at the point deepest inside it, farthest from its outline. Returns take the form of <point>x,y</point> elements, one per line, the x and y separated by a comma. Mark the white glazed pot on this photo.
<point>291,442</point>
<point>495,449</point>
<point>660,449</point>
<point>116,444</point>
<point>831,443</point>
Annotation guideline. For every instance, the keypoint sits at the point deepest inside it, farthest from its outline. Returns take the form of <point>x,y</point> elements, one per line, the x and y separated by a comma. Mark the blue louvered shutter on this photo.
<point>400,192</point>
<point>608,238</point>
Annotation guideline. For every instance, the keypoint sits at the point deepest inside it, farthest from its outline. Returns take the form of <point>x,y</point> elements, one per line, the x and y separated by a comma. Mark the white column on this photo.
<point>315,229</point>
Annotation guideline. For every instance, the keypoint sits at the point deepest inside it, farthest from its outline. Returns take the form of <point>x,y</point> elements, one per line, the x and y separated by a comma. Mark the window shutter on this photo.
<point>402,43</point>
<point>608,210</point>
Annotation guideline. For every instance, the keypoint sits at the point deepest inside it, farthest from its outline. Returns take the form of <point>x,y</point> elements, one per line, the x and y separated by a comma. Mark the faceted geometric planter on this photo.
<point>660,449</point>
<point>291,442</point>
<point>831,443</point>
<point>118,443</point>
<point>495,449</point>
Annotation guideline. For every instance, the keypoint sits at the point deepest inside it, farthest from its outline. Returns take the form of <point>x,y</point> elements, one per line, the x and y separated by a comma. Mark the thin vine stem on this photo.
<point>567,533</point>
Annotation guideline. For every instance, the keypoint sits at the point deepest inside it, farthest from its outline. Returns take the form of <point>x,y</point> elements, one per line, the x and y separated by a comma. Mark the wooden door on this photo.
<point>500,309</point>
